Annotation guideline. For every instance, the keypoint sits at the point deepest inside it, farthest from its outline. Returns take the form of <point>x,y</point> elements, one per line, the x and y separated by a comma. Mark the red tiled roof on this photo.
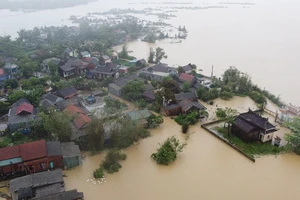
<point>33,150</point>
<point>71,110</point>
<point>186,77</point>
<point>24,107</point>
<point>80,120</point>
<point>9,153</point>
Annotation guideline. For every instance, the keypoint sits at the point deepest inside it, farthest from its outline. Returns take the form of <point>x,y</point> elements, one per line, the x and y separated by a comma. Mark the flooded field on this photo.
<point>207,169</point>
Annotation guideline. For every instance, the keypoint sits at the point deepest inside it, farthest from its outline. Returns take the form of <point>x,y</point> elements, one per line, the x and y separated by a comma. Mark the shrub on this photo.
<point>226,95</point>
<point>111,163</point>
<point>98,173</point>
<point>257,97</point>
<point>167,153</point>
<point>184,128</point>
<point>190,118</point>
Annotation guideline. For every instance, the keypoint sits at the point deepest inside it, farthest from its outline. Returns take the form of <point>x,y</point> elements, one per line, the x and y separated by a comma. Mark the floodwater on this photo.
<point>262,40</point>
<point>207,169</point>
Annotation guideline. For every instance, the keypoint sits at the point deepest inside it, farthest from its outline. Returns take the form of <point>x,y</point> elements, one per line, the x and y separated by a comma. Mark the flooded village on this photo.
<point>98,109</point>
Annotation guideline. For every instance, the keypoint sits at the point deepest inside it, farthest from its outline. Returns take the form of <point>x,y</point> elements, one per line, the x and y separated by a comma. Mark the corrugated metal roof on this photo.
<point>139,114</point>
<point>33,150</point>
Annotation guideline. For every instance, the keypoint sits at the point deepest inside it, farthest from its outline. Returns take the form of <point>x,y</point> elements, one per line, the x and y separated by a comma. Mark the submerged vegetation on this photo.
<point>111,162</point>
<point>168,151</point>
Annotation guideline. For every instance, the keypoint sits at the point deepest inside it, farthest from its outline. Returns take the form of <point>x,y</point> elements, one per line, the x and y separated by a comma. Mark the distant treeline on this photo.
<point>40,4</point>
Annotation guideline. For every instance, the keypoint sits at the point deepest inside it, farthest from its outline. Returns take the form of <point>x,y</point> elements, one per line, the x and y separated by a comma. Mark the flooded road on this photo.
<point>207,169</point>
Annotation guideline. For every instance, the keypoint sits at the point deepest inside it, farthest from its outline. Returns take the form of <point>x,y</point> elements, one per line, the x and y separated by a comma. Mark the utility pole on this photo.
<point>212,71</point>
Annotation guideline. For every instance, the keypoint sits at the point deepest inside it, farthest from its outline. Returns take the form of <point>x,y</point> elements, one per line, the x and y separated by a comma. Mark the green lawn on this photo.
<point>253,148</point>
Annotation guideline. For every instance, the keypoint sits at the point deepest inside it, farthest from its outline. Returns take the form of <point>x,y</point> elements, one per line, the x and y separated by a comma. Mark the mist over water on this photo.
<point>262,40</point>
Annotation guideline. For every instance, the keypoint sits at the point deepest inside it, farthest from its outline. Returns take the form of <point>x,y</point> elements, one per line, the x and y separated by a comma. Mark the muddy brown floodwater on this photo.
<point>207,169</point>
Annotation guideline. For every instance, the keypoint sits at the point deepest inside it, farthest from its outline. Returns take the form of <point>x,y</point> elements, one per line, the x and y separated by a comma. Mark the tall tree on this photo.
<point>159,54</point>
<point>58,124</point>
<point>227,114</point>
<point>151,56</point>
<point>294,137</point>
<point>95,135</point>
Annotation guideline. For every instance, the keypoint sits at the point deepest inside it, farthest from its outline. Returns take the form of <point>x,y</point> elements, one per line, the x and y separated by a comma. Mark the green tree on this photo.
<point>294,137</point>
<point>186,87</point>
<point>11,83</point>
<point>111,162</point>
<point>159,54</point>
<point>134,90</point>
<point>151,56</point>
<point>180,70</point>
<point>16,95</point>
<point>95,135</point>
<point>125,52</point>
<point>155,121</point>
<point>59,125</point>
<point>4,106</point>
<point>168,151</point>
<point>227,114</point>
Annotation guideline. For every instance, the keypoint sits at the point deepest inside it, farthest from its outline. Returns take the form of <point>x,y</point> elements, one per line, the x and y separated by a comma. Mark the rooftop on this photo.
<point>33,150</point>
<point>139,114</point>
<point>183,96</point>
<point>72,110</point>
<point>66,92</point>
<point>81,120</point>
<point>36,180</point>
<point>186,77</point>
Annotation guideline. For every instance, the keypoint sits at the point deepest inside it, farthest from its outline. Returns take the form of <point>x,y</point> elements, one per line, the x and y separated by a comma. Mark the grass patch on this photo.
<point>252,149</point>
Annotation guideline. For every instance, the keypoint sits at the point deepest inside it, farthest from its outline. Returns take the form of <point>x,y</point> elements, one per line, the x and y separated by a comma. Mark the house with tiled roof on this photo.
<point>67,93</point>
<point>288,113</point>
<point>47,185</point>
<point>187,69</point>
<point>250,127</point>
<point>79,119</point>
<point>187,78</point>
<point>29,158</point>
<point>20,116</point>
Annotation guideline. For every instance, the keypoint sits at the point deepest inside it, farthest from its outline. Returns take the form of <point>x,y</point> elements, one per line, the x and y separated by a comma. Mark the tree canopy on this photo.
<point>294,137</point>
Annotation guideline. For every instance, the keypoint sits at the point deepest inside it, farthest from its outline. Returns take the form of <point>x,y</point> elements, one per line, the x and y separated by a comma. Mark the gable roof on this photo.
<point>33,150</point>
<point>72,110</point>
<point>160,67</point>
<point>149,94</point>
<point>187,67</point>
<point>186,77</point>
<point>66,92</point>
<point>24,107</point>
<point>80,120</point>
<point>139,114</point>
<point>9,153</point>
<point>36,180</point>
<point>67,195</point>
<point>54,149</point>
<point>47,105</point>
<point>182,96</point>
<point>52,98</point>
<point>250,120</point>
<point>186,105</point>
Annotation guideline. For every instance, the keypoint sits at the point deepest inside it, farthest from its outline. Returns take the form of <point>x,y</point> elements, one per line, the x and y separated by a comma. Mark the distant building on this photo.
<point>104,59</point>
<point>187,69</point>
<point>288,113</point>
<point>74,66</point>
<point>3,75</point>
<point>45,63</point>
<point>250,127</point>
<point>85,54</point>
<point>10,69</point>
<point>71,155</point>
<point>118,85</point>
<point>187,78</point>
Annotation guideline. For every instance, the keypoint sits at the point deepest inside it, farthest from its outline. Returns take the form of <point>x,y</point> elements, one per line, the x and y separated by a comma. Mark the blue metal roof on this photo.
<point>10,161</point>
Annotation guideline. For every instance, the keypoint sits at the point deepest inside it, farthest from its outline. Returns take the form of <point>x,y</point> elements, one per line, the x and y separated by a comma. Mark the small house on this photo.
<point>115,89</point>
<point>139,116</point>
<point>104,59</point>
<point>190,106</point>
<point>149,95</point>
<point>187,78</point>
<point>141,63</point>
<point>191,96</point>
<point>288,113</point>
<point>20,116</point>
<point>45,63</point>
<point>71,155</point>
<point>187,69</point>
<point>250,127</point>
<point>10,69</point>
<point>47,185</point>
<point>172,110</point>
